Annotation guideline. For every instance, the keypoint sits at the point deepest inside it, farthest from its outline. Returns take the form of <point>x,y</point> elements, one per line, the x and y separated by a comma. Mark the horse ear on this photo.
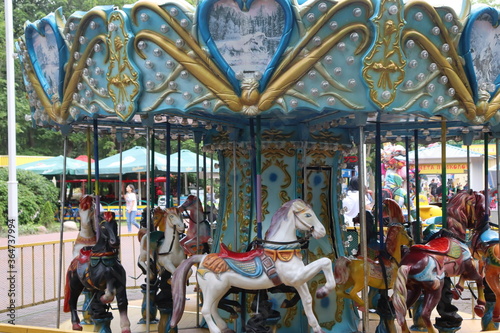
<point>299,205</point>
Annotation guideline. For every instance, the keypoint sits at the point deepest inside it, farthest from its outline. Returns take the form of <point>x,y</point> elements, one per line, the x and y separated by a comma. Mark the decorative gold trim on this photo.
<point>313,31</point>
<point>436,18</point>
<point>190,41</point>
<point>289,75</point>
<point>205,75</point>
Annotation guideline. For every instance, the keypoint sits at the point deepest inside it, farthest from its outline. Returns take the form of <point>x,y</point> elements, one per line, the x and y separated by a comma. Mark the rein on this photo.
<point>171,242</point>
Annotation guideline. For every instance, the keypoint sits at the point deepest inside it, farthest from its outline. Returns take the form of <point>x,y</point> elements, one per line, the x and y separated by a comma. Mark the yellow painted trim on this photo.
<point>8,328</point>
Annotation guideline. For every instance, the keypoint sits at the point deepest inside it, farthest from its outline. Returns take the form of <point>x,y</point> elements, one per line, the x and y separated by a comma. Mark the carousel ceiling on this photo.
<point>320,63</point>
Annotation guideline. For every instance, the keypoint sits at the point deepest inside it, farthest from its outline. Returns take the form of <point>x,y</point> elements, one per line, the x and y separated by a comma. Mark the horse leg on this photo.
<point>110,292</point>
<point>221,323</point>
<point>306,298</point>
<point>353,294</point>
<point>471,273</point>
<point>491,275</point>
<point>431,299</point>
<point>211,297</point>
<point>122,301</point>
<point>76,288</point>
<point>326,266</point>
<point>306,273</point>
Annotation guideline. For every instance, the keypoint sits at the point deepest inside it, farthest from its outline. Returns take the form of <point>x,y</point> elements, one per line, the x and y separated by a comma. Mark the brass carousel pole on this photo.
<point>61,244</point>
<point>362,222</point>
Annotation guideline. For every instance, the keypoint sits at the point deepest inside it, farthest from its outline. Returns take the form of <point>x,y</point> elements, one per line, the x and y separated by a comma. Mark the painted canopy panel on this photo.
<point>237,59</point>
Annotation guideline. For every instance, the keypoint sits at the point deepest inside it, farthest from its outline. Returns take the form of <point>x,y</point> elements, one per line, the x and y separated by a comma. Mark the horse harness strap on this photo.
<point>270,256</point>
<point>171,246</point>
<point>106,258</point>
<point>270,269</point>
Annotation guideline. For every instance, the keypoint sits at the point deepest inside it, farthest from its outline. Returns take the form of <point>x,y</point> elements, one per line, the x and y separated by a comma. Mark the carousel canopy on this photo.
<point>54,166</point>
<point>325,65</point>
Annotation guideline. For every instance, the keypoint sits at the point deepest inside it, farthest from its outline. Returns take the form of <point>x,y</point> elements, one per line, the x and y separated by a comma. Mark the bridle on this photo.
<point>175,231</point>
<point>304,223</point>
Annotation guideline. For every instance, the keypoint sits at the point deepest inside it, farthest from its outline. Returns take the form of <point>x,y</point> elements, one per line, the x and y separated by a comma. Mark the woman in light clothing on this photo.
<point>131,202</point>
<point>351,202</point>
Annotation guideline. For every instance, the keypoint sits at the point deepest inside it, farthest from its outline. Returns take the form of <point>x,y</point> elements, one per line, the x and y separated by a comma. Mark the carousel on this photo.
<point>284,94</point>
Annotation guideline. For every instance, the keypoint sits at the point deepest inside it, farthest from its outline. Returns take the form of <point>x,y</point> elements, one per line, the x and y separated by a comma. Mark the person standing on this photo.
<point>131,204</point>
<point>351,202</point>
<point>433,186</point>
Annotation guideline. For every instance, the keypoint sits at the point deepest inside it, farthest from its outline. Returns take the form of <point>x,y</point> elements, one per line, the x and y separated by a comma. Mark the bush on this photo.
<point>34,191</point>
<point>46,214</point>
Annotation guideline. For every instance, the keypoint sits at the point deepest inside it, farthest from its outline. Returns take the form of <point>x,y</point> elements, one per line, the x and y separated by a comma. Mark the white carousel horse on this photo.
<point>166,250</point>
<point>86,236</point>
<point>198,232</point>
<point>278,261</point>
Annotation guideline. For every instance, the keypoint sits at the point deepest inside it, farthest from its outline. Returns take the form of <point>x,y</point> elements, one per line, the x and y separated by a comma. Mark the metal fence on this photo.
<point>38,267</point>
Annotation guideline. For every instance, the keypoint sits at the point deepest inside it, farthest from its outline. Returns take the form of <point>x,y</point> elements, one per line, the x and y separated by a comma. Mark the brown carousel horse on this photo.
<point>349,272</point>
<point>423,269</point>
<point>485,245</point>
<point>98,270</point>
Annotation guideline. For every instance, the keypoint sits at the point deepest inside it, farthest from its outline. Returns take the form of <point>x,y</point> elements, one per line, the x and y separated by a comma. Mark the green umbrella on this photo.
<point>54,166</point>
<point>188,162</point>
<point>133,160</point>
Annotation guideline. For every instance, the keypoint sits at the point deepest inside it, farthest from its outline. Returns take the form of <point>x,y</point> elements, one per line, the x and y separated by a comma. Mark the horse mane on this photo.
<point>458,216</point>
<point>392,235</point>
<point>280,216</point>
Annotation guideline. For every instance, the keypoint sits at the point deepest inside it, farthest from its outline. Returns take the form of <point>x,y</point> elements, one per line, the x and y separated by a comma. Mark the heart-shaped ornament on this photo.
<point>246,38</point>
<point>48,54</point>
<point>481,48</point>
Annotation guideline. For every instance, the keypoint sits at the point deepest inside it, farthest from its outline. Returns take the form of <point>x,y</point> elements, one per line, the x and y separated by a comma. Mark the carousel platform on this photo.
<point>42,318</point>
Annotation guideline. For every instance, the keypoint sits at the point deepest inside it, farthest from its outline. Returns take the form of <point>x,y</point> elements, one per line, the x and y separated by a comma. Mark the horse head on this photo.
<point>192,201</point>
<point>306,219</point>
<point>174,219</point>
<point>109,230</point>
<point>392,211</point>
<point>461,212</point>
<point>396,237</point>
<point>159,218</point>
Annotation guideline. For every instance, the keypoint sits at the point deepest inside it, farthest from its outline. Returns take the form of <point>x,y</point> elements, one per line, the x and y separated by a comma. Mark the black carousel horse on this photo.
<point>98,270</point>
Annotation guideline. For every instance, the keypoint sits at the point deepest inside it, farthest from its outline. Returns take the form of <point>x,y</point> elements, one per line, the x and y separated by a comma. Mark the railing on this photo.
<point>38,268</point>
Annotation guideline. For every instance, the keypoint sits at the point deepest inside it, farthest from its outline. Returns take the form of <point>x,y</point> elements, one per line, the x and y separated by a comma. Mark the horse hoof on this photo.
<point>455,294</point>
<point>127,331</point>
<point>106,300</point>
<point>322,292</point>
<point>77,327</point>
<point>479,311</point>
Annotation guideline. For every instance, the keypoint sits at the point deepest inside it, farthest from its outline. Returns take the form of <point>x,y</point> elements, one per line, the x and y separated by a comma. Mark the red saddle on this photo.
<point>439,245</point>
<point>239,256</point>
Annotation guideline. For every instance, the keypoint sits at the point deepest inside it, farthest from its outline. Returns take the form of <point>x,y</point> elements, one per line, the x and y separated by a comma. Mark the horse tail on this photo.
<point>179,287</point>
<point>341,271</point>
<point>67,293</point>
<point>400,293</point>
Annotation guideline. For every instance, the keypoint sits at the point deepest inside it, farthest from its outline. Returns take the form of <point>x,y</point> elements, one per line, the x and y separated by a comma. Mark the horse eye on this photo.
<point>308,215</point>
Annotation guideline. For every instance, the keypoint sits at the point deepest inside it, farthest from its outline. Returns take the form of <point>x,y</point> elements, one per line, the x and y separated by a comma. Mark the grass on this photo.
<point>31,229</point>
